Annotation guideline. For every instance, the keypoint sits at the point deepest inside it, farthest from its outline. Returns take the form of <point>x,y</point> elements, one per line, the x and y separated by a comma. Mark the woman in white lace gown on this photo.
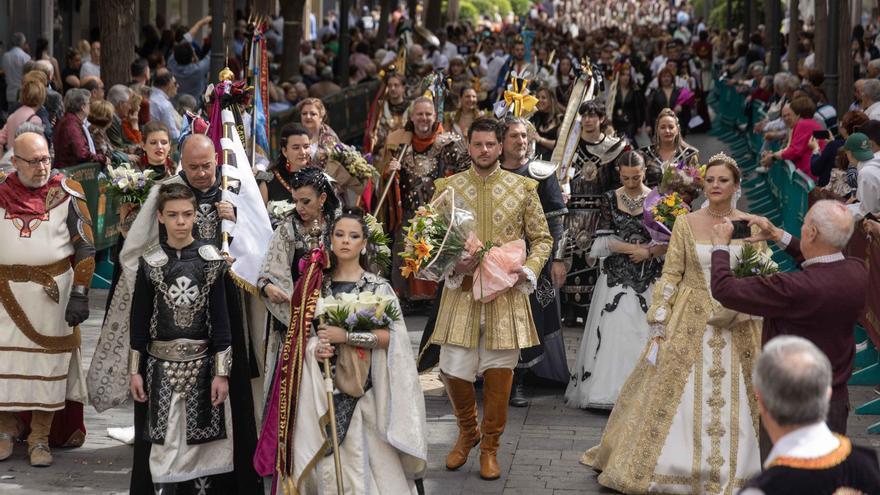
<point>686,420</point>
<point>617,330</point>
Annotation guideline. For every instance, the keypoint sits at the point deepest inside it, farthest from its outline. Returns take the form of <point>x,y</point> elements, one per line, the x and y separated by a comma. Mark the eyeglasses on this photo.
<point>43,160</point>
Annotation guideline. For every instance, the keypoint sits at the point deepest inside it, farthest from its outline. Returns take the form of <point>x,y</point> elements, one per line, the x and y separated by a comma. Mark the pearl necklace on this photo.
<point>715,214</point>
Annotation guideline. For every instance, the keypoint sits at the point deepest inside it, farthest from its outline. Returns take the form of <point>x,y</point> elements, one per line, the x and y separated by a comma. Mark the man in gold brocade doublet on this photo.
<point>485,338</point>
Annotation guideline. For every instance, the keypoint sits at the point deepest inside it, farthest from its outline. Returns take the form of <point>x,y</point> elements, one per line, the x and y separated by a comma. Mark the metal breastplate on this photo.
<point>207,224</point>
<point>181,302</point>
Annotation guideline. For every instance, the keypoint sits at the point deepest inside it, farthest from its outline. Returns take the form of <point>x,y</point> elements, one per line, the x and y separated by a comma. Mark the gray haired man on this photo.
<point>793,386</point>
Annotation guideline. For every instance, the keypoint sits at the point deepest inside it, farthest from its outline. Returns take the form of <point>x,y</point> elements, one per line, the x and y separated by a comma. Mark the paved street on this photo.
<point>539,450</point>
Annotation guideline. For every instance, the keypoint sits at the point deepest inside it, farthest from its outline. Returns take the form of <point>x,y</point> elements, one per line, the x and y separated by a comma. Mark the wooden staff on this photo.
<point>400,156</point>
<point>328,383</point>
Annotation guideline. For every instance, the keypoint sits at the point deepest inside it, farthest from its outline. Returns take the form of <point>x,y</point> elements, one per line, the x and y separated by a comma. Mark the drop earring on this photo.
<point>364,250</point>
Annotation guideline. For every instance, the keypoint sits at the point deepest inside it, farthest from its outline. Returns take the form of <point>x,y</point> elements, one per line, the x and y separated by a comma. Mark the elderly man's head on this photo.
<point>119,96</point>
<point>826,229</point>
<point>76,101</point>
<point>870,92</point>
<point>199,161</point>
<point>793,384</point>
<point>31,159</point>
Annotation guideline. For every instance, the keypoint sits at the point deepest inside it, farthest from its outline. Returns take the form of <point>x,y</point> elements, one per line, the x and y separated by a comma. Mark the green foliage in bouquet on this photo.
<point>751,263</point>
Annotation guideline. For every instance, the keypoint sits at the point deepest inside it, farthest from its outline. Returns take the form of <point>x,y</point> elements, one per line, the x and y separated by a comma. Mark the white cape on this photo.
<point>386,446</point>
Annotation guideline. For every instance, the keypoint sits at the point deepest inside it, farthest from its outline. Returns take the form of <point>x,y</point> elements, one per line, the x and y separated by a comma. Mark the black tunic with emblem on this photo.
<point>180,294</point>
<point>207,229</point>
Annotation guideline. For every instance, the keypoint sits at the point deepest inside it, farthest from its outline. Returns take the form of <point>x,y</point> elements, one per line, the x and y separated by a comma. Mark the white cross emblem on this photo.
<point>182,292</point>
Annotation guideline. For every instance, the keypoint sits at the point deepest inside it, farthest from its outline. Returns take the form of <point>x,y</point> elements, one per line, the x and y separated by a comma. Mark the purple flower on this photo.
<point>351,320</point>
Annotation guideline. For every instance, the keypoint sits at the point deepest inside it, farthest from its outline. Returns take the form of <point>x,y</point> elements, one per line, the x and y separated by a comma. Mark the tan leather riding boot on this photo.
<point>464,405</point>
<point>496,393</point>
<point>38,440</point>
<point>8,432</point>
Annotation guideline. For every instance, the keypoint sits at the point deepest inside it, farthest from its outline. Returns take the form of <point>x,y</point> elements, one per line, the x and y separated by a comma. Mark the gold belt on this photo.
<point>179,350</point>
<point>44,276</point>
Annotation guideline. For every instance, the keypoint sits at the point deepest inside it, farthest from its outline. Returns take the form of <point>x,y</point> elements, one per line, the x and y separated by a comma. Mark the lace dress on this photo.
<point>688,423</point>
<point>617,329</point>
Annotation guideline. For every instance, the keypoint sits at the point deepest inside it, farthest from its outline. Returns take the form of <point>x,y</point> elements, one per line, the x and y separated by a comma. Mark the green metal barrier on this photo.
<point>346,114</point>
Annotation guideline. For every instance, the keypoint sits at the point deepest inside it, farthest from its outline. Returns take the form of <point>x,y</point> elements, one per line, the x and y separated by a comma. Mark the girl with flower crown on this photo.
<point>686,419</point>
<point>380,413</point>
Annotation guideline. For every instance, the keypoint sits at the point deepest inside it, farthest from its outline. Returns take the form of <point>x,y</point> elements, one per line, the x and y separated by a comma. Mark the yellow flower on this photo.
<point>423,212</point>
<point>670,201</point>
<point>423,249</point>
<point>410,266</point>
<point>660,219</point>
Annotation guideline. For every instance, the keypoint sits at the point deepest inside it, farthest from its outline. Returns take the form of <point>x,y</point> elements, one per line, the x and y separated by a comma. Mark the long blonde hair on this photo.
<point>680,144</point>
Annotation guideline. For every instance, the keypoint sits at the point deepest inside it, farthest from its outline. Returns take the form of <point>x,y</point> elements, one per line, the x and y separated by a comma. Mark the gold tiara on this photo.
<point>722,157</point>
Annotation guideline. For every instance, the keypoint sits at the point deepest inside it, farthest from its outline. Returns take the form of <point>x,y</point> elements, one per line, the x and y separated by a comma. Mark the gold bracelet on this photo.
<point>134,362</point>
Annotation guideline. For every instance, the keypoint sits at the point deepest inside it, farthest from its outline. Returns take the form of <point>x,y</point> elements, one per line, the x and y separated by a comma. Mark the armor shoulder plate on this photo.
<point>447,138</point>
<point>73,188</point>
<point>155,256</point>
<point>540,169</point>
<point>210,253</point>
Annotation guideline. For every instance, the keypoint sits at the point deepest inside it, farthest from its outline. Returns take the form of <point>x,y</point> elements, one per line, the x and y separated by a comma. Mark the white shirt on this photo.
<point>89,69</point>
<point>13,64</point>
<point>807,442</point>
<point>868,191</point>
<point>162,110</point>
<point>873,112</point>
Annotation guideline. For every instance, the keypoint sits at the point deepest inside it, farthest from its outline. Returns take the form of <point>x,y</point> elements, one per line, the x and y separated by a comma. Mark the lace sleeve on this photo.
<point>666,288</point>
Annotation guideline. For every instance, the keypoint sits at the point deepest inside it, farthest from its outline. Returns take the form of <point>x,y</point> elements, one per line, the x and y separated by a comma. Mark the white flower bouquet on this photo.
<point>127,184</point>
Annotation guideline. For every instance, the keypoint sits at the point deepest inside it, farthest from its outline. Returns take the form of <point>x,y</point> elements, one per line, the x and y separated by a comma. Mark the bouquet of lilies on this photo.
<point>378,241</point>
<point>362,312</point>
<point>751,263</point>
<point>349,168</point>
<point>435,239</point>
<point>278,210</point>
<point>127,184</point>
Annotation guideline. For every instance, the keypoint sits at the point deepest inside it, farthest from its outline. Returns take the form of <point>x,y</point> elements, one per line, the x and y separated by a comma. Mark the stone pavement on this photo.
<point>539,450</point>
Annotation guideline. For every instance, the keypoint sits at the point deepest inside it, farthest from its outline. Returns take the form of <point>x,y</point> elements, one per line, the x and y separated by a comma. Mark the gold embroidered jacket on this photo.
<point>507,208</point>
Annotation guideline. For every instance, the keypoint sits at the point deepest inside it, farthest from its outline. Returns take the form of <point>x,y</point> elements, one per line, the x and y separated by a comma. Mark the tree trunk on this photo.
<point>229,29</point>
<point>434,15</point>
<point>292,11</point>
<point>452,9</point>
<point>218,43</point>
<point>747,17</point>
<point>774,19</point>
<point>753,14</point>
<point>116,20</point>
<point>821,34</point>
<point>384,19</point>
<point>845,63</point>
<point>794,31</point>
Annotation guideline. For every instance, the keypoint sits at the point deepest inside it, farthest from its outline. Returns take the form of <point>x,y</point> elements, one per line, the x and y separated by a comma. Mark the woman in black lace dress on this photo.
<point>617,329</point>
